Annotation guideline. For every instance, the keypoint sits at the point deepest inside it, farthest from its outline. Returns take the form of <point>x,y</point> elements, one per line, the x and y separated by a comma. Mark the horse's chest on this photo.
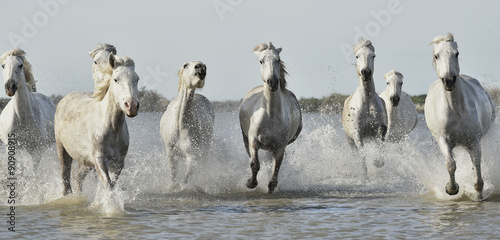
<point>271,132</point>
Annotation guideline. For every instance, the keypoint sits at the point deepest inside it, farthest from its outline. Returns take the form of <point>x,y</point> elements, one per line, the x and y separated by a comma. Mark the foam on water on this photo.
<point>320,162</point>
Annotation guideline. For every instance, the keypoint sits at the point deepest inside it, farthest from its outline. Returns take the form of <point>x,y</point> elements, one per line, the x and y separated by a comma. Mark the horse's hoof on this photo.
<point>252,183</point>
<point>452,190</point>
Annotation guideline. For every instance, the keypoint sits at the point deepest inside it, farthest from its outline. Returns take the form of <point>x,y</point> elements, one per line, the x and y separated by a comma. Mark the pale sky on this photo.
<point>162,35</point>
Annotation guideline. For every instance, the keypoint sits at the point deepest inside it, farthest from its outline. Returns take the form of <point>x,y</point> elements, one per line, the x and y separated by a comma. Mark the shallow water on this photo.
<point>322,192</point>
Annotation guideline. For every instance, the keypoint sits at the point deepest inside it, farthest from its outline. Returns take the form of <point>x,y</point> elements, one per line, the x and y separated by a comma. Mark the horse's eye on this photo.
<point>3,66</point>
<point>95,62</point>
<point>279,60</point>
<point>401,84</point>
<point>457,55</point>
<point>356,57</point>
<point>436,57</point>
<point>374,56</point>
<point>116,80</point>
<point>387,83</point>
<point>21,66</point>
<point>261,62</point>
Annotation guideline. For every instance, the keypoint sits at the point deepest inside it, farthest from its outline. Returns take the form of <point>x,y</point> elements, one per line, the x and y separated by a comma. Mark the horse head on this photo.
<point>394,81</point>
<point>270,65</point>
<point>102,62</point>
<point>365,58</point>
<point>124,82</point>
<point>446,60</point>
<point>192,75</point>
<point>15,69</point>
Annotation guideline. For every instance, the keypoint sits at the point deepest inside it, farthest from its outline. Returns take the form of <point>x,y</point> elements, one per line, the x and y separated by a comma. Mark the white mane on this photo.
<point>393,72</point>
<point>446,38</point>
<point>363,43</point>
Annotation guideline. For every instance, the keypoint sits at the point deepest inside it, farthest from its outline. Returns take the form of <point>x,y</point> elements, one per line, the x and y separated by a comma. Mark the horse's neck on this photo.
<point>273,103</point>
<point>392,115</point>
<point>184,114</point>
<point>455,98</point>
<point>112,116</point>
<point>366,90</point>
<point>23,100</point>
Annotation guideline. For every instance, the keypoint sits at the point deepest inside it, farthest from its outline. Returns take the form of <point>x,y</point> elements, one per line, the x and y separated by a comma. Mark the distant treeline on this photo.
<point>152,101</point>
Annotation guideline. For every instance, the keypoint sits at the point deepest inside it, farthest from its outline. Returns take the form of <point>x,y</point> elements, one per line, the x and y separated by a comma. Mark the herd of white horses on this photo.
<point>91,128</point>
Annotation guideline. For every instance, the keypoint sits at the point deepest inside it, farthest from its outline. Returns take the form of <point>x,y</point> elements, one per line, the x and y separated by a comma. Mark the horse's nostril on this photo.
<point>127,105</point>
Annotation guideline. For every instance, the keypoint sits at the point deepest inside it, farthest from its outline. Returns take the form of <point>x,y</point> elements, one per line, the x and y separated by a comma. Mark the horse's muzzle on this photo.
<point>395,101</point>
<point>10,88</point>
<point>131,109</point>
<point>273,84</point>
<point>366,74</point>
<point>449,84</point>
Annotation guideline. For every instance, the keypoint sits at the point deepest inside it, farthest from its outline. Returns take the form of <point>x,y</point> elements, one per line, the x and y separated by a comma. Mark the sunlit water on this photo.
<point>322,192</point>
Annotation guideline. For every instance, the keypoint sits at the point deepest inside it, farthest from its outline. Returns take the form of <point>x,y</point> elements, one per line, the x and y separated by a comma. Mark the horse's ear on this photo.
<point>112,61</point>
<point>278,50</point>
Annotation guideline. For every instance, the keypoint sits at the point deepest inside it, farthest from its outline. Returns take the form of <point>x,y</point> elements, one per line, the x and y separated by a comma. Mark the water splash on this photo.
<point>320,163</point>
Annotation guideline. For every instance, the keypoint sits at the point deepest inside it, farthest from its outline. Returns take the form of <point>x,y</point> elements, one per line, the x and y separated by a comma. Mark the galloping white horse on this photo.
<point>102,65</point>
<point>187,125</point>
<point>364,115</point>
<point>29,116</point>
<point>401,111</point>
<point>270,116</point>
<point>92,129</point>
<point>458,111</point>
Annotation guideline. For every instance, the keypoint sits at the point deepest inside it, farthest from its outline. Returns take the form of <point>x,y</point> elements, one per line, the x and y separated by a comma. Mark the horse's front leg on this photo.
<point>452,187</point>
<point>278,159</point>
<point>357,145</point>
<point>80,176</point>
<point>65,161</point>
<point>102,167</point>
<point>475,154</point>
<point>254,163</point>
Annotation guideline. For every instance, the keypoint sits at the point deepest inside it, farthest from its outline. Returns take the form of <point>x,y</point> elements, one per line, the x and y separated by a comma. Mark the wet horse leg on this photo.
<point>65,161</point>
<point>475,154</point>
<point>452,187</point>
<point>102,168</point>
<point>80,176</point>
<point>254,164</point>
<point>278,159</point>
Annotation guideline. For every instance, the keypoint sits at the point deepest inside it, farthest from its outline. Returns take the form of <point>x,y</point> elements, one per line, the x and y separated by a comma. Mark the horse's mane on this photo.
<point>393,72</point>
<point>363,43</point>
<point>102,47</point>
<point>283,71</point>
<point>446,38</point>
<point>102,87</point>
<point>28,74</point>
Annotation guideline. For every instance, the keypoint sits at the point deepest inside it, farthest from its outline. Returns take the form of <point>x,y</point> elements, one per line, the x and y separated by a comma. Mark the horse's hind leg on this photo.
<point>475,154</point>
<point>452,187</point>
<point>254,164</point>
<point>278,159</point>
<point>80,176</point>
<point>65,161</point>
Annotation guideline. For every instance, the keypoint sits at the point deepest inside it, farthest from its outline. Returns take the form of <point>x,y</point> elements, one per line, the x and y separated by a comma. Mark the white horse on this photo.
<point>458,111</point>
<point>401,111</point>
<point>102,66</point>
<point>187,125</point>
<point>92,129</point>
<point>29,116</point>
<point>364,114</point>
<point>270,116</point>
